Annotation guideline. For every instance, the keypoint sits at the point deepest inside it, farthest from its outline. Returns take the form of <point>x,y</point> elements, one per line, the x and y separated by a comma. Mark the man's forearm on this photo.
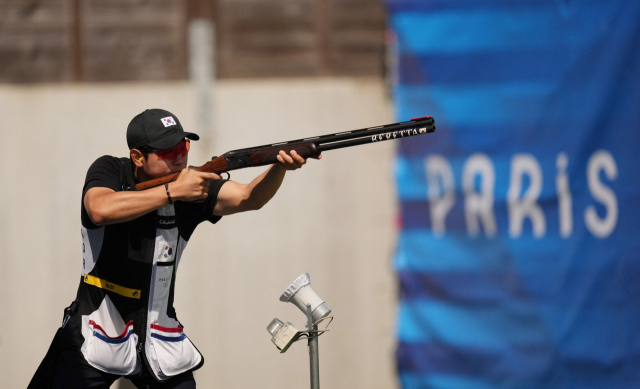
<point>118,207</point>
<point>234,197</point>
<point>108,207</point>
<point>265,186</point>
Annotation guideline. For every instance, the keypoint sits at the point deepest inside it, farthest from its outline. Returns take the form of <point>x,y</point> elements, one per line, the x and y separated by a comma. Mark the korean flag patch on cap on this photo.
<point>168,121</point>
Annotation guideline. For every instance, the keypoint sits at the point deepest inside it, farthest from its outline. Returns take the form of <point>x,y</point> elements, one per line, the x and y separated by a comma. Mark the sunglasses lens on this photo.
<point>181,148</point>
<point>165,154</point>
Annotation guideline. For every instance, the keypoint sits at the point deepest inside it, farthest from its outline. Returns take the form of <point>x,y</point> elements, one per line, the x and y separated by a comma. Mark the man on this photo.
<point>122,322</point>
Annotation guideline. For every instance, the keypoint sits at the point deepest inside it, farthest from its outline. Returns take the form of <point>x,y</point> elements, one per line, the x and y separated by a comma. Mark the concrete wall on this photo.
<point>333,219</point>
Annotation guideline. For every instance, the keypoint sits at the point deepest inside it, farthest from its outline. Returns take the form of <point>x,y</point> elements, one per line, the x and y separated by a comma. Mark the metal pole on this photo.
<point>201,68</point>
<point>314,363</point>
<point>77,53</point>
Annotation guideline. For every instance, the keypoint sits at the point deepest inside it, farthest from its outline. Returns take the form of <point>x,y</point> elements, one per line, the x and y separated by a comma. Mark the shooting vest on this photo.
<point>125,311</point>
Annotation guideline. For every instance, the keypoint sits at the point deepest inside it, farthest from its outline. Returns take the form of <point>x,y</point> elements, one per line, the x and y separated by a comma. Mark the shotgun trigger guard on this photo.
<point>228,176</point>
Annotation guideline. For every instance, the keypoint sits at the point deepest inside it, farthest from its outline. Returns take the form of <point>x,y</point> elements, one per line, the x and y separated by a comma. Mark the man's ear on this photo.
<point>137,158</point>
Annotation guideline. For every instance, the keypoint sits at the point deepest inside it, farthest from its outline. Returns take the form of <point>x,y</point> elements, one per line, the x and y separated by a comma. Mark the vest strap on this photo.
<point>121,290</point>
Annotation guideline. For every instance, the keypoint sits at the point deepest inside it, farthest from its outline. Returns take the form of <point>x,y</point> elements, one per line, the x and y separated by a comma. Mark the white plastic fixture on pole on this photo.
<point>315,309</point>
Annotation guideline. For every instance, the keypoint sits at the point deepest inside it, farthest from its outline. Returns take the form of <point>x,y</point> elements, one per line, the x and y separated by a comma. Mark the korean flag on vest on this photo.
<point>168,121</point>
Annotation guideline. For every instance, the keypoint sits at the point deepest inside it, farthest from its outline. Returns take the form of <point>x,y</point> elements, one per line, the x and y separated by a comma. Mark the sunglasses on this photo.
<point>181,148</point>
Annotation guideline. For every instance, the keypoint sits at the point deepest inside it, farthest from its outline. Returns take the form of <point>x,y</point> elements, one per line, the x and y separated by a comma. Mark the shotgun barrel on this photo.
<point>422,122</point>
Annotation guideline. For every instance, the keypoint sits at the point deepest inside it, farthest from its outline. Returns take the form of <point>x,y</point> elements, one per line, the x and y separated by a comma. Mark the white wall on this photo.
<point>333,219</point>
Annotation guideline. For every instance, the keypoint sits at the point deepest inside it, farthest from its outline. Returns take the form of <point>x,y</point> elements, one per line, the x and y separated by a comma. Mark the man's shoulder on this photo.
<point>107,164</point>
<point>108,161</point>
<point>105,172</point>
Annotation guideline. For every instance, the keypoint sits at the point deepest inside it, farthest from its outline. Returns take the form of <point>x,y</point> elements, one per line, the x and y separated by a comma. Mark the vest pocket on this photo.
<point>174,352</point>
<point>112,354</point>
<point>103,348</point>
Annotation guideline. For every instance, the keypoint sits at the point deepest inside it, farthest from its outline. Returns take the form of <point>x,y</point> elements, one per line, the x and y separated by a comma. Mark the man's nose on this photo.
<point>179,159</point>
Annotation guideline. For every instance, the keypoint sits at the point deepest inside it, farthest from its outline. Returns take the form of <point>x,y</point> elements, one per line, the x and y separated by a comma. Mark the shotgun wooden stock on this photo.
<point>216,165</point>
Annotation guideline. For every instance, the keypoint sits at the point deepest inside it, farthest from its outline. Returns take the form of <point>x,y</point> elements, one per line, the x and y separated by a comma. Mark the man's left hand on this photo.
<point>291,162</point>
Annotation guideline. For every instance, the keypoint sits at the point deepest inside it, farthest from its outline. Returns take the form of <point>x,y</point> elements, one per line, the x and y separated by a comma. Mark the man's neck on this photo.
<point>140,175</point>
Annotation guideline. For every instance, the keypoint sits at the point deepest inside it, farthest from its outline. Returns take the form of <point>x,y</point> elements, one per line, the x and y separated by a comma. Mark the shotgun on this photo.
<point>306,148</point>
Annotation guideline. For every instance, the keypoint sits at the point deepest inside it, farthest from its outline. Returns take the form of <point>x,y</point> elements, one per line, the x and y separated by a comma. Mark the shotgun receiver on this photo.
<point>306,148</point>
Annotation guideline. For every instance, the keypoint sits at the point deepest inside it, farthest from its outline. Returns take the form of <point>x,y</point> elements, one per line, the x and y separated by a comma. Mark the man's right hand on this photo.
<point>191,185</point>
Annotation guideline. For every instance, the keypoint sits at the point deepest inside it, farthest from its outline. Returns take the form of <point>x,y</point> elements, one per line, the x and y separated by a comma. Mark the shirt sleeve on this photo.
<point>210,203</point>
<point>103,173</point>
<point>193,213</point>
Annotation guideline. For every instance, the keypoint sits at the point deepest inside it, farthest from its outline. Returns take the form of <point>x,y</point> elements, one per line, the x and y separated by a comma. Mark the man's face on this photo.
<point>156,167</point>
<point>163,162</point>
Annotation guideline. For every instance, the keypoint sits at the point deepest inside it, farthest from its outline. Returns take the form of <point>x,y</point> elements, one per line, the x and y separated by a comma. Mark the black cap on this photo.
<point>156,128</point>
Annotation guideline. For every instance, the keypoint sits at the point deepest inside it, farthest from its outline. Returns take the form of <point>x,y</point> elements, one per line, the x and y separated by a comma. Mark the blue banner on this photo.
<point>519,249</point>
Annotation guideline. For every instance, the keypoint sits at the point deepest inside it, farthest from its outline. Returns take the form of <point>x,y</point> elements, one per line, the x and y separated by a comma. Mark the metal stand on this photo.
<point>314,363</point>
